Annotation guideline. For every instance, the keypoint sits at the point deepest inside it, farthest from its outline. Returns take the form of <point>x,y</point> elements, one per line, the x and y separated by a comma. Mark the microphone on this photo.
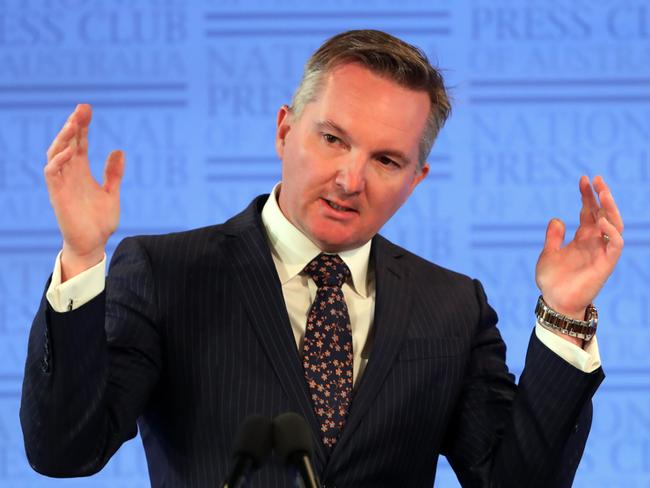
<point>293,443</point>
<point>252,445</point>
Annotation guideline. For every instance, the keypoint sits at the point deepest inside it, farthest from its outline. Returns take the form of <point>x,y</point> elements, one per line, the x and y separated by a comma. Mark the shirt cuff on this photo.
<point>586,360</point>
<point>77,291</point>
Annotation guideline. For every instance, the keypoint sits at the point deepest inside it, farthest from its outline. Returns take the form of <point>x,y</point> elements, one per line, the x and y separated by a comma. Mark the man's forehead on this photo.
<point>353,94</point>
<point>352,81</point>
<point>349,70</point>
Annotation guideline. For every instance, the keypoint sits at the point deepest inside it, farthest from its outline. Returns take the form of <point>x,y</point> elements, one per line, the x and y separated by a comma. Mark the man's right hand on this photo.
<point>87,212</point>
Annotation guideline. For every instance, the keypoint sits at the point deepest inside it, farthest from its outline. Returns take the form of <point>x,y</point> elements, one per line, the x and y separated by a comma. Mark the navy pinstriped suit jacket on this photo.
<point>191,336</point>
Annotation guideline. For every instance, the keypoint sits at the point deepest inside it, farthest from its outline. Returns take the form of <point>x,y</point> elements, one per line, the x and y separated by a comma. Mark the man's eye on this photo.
<point>330,139</point>
<point>387,161</point>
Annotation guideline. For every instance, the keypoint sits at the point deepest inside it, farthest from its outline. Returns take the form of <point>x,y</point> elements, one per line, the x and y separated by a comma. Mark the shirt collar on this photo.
<point>294,249</point>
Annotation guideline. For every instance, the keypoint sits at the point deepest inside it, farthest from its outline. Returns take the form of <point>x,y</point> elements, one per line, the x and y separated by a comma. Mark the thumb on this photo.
<point>554,235</point>
<point>113,171</point>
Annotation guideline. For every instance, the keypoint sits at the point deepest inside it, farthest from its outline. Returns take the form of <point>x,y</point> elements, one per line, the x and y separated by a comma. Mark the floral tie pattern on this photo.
<point>327,348</point>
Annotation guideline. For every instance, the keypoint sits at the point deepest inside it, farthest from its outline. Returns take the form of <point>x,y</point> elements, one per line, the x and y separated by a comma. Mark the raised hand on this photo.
<point>571,276</point>
<point>87,212</point>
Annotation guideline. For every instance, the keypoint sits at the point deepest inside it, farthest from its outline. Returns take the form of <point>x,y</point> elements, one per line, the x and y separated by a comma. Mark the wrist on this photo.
<point>73,263</point>
<point>582,328</point>
<point>577,313</point>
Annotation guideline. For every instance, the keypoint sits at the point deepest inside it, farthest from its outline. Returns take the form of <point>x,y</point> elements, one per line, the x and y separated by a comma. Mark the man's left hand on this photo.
<point>571,276</point>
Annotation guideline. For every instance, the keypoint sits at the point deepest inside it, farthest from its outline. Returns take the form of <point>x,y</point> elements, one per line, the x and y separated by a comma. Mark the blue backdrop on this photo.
<point>543,91</point>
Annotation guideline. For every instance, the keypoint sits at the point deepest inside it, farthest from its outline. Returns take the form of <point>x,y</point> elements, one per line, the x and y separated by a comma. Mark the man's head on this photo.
<point>354,143</point>
<point>386,56</point>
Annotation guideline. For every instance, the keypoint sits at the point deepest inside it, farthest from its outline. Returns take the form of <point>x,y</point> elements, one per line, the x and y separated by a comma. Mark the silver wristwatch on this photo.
<point>552,320</point>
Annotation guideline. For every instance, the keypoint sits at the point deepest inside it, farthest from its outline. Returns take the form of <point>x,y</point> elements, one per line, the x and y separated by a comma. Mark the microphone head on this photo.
<point>292,437</point>
<point>254,439</point>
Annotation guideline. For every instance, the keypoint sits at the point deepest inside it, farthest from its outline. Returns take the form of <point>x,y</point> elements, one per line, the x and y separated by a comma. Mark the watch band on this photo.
<point>552,320</point>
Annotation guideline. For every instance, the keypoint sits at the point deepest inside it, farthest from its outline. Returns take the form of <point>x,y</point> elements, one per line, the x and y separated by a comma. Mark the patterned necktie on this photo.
<point>327,348</point>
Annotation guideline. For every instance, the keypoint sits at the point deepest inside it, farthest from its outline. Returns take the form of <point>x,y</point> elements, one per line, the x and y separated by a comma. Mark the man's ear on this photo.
<point>282,129</point>
<point>419,176</point>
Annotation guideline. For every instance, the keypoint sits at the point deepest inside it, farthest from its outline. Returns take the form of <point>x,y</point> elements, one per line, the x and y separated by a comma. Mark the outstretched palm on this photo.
<point>87,212</point>
<point>570,277</point>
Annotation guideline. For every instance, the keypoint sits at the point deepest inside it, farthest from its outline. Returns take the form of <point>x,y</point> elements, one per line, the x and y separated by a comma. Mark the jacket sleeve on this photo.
<point>89,372</point>
<point>532,434</point>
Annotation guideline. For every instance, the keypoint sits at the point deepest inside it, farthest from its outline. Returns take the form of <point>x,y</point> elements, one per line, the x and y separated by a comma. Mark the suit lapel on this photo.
<point>391,318</point>
<point>255,274</point>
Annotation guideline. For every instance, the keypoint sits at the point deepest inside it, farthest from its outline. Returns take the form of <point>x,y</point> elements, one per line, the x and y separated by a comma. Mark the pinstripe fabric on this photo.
<point>191,336</point>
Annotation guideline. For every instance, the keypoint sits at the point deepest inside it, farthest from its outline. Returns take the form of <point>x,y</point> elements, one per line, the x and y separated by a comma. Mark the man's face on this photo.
<point>349,161</point>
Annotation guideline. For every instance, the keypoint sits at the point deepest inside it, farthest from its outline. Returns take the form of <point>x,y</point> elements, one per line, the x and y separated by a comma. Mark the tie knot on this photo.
<point>328,270</point>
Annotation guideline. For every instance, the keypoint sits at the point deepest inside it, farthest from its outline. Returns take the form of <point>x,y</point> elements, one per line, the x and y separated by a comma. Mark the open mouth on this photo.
<point>340,208</point>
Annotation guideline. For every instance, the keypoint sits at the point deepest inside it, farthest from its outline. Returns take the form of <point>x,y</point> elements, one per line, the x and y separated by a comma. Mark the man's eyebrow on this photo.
<point>330,125</point>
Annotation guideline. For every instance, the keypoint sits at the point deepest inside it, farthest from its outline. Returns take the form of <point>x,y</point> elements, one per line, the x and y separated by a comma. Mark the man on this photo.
<point>297,304</point>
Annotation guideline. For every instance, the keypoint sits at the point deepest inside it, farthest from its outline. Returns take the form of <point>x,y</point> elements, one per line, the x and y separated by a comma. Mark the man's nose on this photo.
<point>351,175</point>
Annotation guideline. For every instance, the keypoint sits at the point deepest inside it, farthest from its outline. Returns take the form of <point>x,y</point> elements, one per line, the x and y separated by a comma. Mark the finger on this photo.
<point>608,203</point>
<point>84,116</point>
<point>614,245</point>
<point>113,171</point>
<point>63,138</point>
<point>54,168</point>
<point>554,235</point>
<point>589,210</point>
<point>599,184</point>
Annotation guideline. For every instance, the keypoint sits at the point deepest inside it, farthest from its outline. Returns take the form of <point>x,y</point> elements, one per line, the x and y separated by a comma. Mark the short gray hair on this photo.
<point>386,56</point>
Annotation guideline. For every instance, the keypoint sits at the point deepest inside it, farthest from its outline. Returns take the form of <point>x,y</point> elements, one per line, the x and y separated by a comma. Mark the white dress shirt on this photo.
<point>291,251</point>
